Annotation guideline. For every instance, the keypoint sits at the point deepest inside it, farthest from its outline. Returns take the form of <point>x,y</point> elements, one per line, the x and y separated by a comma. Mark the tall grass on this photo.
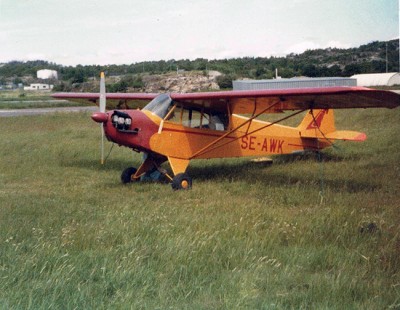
<point>304,233</point>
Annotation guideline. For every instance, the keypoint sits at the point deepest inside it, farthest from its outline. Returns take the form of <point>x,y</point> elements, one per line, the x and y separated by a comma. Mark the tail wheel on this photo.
<point>127,174</point>
<point>182,181</point>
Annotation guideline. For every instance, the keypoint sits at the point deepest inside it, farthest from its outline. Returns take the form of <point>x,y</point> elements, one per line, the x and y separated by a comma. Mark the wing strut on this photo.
<point>207,148</point>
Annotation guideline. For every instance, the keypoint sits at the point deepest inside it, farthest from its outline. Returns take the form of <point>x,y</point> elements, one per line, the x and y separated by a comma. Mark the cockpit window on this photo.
<point>159,105</point>
<point>193,118</point>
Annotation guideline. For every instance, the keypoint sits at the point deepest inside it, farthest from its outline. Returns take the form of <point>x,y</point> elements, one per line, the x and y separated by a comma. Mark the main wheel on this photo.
<point>181,181</point>
<point>126,176</point>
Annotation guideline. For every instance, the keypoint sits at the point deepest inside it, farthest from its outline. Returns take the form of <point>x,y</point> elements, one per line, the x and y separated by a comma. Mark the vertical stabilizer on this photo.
<point>317,123</point>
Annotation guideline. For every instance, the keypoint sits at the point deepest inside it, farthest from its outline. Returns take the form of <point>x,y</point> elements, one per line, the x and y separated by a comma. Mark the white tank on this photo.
<point>47,74</point>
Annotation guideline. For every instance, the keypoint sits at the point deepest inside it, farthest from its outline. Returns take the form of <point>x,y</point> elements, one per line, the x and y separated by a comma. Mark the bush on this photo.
<point>225,81</point>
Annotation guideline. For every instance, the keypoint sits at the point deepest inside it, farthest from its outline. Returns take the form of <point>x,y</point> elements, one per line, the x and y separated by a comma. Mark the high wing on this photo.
<point>272,101</point>
<point>255,101</point>
<point>114,100</point>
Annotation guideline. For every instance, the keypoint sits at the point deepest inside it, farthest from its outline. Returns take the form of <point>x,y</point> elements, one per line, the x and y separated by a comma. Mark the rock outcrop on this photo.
<point>181,82</point>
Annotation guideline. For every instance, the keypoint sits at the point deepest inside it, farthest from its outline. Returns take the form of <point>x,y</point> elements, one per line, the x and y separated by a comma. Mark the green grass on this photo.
<point>31,99</point>
<point>299,234</point>
<point>21,94</point>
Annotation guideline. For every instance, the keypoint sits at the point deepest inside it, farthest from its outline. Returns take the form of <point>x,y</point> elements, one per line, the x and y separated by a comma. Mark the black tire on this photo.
<point>182,181</point>
<point>126,176</point>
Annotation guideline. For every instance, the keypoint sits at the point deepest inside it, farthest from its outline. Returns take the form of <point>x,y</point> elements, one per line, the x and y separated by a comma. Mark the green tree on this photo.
<point>224,81</point>
<point>310,70</point>
<point>352,69</point>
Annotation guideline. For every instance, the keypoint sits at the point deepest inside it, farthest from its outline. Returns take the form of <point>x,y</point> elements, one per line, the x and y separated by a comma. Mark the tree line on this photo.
<point>375,57</point>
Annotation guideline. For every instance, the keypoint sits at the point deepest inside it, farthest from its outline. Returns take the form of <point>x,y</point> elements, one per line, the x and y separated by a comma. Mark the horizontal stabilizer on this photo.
<point>346,135</point>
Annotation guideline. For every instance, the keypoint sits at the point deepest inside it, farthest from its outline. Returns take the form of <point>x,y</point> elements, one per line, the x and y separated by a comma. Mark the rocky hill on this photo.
<point>178,82</point>
<point>190,81</point>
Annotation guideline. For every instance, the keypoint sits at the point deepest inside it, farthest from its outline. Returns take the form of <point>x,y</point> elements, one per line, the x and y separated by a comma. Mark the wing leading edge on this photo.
<point>114,100</point>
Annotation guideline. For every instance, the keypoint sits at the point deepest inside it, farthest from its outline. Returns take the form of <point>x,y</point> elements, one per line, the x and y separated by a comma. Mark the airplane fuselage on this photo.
<point>148,133</point>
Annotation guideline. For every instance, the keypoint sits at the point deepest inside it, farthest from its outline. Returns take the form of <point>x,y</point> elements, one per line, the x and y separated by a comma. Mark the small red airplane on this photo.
<point>180,127</point>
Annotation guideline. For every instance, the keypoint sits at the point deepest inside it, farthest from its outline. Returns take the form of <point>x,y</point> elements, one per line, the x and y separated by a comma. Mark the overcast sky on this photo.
<point>126,31</point>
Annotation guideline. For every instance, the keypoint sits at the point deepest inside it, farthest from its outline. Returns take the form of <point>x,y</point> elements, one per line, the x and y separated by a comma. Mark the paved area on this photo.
<point>40,111</point>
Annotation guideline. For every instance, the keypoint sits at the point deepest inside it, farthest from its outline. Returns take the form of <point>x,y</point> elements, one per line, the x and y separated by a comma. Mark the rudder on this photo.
<point>317,122</point>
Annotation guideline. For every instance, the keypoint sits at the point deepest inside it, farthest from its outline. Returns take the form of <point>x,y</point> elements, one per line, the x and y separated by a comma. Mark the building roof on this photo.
<point>378,79</point>
<point>293,83</point>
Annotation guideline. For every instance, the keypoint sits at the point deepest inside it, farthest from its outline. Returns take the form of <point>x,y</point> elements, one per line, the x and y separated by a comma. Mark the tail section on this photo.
<point>317,121</point>
<point>321,124</point>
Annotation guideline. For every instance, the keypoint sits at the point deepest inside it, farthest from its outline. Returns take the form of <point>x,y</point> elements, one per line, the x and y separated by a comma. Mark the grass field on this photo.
<point>18,99</point>
<point>299,234</point>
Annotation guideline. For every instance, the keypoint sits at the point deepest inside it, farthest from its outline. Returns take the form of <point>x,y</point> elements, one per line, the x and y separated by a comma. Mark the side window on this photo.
<point>197,119</point>
<point>216,123</point>
<point>194,119</point>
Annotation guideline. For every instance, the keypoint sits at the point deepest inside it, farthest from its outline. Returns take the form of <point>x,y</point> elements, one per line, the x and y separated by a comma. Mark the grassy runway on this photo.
<point>300,234</point>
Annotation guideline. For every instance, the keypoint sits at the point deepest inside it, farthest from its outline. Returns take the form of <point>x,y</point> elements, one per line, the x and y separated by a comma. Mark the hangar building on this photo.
<point>378,79</point>
<point>293,83</point>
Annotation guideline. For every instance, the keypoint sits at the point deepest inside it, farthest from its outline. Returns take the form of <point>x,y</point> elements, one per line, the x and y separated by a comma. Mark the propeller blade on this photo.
<point>102,105</point>
<point>102,143</point>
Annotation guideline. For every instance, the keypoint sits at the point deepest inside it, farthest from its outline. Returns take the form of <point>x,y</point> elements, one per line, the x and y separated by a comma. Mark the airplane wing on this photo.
<point>272,101</point>
<point>114,100</point>
<point>255,101</point>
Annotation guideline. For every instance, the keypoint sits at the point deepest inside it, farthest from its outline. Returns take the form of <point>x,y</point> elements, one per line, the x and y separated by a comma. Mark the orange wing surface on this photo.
<point>270,101</point>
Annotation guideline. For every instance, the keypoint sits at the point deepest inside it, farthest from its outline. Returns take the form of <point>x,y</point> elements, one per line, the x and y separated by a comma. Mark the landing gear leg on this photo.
<point>149,170</point>
<point>181,180</point>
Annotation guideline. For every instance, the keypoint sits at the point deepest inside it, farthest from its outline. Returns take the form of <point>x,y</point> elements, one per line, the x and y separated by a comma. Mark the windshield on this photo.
<point>159,105</point>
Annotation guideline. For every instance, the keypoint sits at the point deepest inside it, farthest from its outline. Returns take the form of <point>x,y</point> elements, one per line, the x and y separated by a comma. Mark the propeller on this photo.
<point>101,117</point>
<point>102,105</point>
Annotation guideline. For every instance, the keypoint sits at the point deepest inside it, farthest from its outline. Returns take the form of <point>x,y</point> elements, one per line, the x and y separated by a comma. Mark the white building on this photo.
<point>378,79</point>
<point>47,74</point>
<point>38,86</point>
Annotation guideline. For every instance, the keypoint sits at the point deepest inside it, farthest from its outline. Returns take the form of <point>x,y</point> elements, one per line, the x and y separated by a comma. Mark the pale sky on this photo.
<point>71,32</point>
